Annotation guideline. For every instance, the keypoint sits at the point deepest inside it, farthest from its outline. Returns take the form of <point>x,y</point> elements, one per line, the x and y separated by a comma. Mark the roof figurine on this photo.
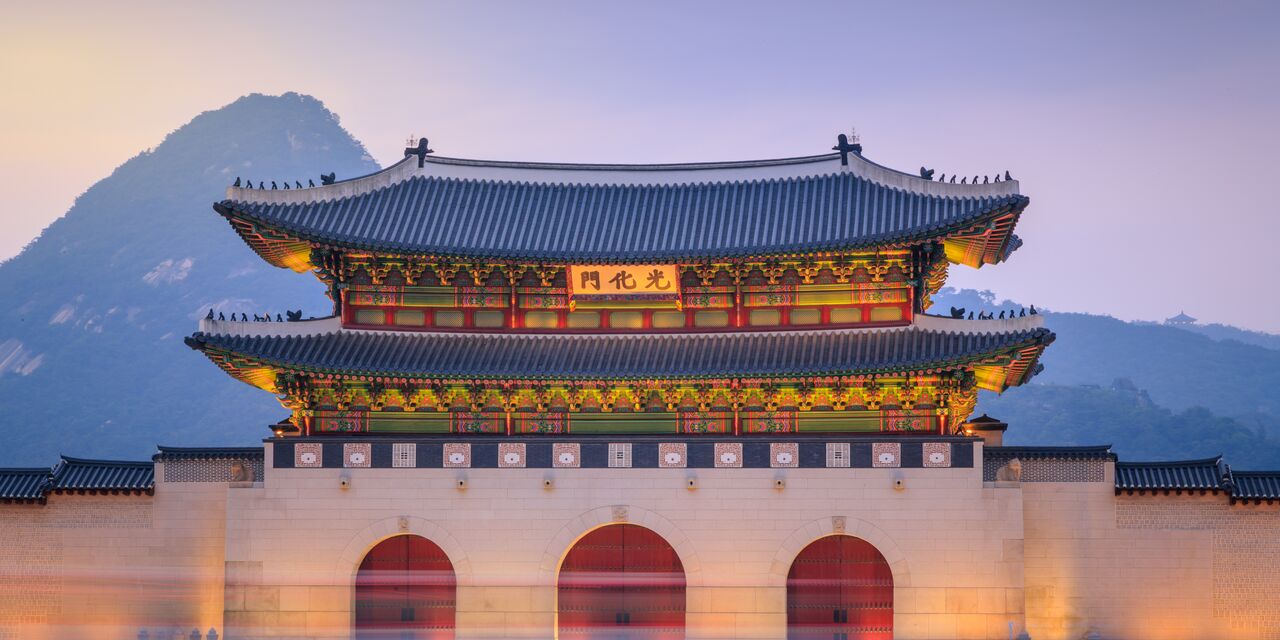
<point>328,178</point>
<point>845,147</point>
<point>420,151</point>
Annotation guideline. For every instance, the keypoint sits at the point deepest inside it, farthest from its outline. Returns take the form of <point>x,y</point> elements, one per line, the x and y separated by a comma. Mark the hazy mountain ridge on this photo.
<point>91,353</point>
<point>1141,387</point>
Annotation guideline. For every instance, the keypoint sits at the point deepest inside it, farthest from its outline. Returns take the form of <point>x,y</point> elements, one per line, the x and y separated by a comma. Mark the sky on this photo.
<point>1143,132</point>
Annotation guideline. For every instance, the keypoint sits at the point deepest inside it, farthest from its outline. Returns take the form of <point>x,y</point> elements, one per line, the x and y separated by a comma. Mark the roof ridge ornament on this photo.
<point>421,151</point>
<point>844,146</point>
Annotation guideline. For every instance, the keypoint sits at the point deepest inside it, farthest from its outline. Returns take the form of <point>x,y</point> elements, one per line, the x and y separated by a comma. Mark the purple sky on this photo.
<point>1143,132</point>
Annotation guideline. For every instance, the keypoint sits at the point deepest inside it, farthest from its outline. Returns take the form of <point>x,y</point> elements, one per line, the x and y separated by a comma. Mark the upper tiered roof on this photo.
<point>591,213</point>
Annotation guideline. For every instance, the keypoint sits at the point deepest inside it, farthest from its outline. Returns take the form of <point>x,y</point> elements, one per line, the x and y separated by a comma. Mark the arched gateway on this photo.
<point>840,587</point>
<point>405,590</point>
<point>621,581</point>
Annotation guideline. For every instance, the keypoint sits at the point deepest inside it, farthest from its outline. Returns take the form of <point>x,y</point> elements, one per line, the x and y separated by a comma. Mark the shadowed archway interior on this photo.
<point>840,588</point>
<point>621,581</point>
<point>405,590</point>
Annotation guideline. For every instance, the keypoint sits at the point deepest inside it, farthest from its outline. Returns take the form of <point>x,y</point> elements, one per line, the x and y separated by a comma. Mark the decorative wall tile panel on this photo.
<point>566,455</point>
<point>357,455</point>
<point>404,454</point>
<point>620,454</point>
<point>837,454</point>
<point>216,470</point>
<point>728,454</point>
<point>886,454</point>
<point>457,455</point>
<point>308,455</point>
<point>673,455</point>
<point>511,455</point>
<point>784,454</point>
<point>937,454</point>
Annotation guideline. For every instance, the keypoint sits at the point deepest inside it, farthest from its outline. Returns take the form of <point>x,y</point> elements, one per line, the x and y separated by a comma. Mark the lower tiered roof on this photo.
<point>930,344</point>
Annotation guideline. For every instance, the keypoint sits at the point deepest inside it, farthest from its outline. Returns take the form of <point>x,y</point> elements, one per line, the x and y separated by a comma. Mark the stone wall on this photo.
<point>278,559</point>
<point>294,545</point>
<point>107,566</point>
<point>1148,566</point>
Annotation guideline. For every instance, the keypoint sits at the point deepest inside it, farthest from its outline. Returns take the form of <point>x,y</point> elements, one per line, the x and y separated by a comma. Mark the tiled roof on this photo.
<point>604,222</point>
<point>1097,452</point>
<point>23,485</point>
<point>206,453</point>
<point>1255,485</point>
<point>77,474</point>
<point>835,352</point>
<point>1209,474</point>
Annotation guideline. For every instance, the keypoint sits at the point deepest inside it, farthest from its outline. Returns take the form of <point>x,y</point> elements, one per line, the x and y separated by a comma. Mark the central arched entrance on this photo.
<point>840,588</point>
<point>621,581</point>
<point>405,590</point>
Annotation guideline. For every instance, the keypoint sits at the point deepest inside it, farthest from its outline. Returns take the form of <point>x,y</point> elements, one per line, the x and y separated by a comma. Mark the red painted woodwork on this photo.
<point>840,588</point>
<point>405,590</point>
<point>621,581</point>
<point>515,320</point>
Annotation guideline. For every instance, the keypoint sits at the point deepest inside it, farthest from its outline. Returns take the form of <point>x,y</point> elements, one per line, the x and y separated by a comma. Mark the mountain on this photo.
<point>1222,332</point>
<point>1124,416</point>
<point>91,355</point>
<point>1180,368</point>
<point>1184,376</point>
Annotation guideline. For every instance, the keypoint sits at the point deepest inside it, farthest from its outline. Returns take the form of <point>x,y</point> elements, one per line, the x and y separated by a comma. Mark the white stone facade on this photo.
<point>970,559</point>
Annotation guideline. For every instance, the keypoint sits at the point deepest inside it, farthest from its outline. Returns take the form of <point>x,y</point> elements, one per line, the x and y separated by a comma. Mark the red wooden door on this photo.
<point>621,581</point>
<point>840,588</point>
<point>405,590</point>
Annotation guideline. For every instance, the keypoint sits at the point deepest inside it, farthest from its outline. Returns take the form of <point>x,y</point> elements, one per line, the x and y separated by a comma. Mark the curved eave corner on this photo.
<point>990,242</point>
<point>278,248</point>
<point>1024,365</point>
<point>247,370</point>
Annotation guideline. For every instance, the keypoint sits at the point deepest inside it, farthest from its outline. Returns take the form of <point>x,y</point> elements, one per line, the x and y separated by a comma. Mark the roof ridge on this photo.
<point>74,460</point>
<point>1168,463</point>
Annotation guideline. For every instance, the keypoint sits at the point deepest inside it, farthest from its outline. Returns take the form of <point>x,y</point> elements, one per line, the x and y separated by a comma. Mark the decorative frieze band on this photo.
<point>599,454</point>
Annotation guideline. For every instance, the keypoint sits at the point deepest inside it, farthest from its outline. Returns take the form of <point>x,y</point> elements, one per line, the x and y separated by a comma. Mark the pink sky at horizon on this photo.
<point>1143,136</point>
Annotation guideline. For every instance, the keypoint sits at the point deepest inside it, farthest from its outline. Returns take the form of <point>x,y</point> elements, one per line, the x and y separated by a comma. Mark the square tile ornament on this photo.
<point>307,455</point>
<point>566,455</point>
<point>728,455</point>
<point>837,455</point>
<point>620,455</point>
<point>784,455</point>
<point>511,455</point>
<point>937,454</point>
<point>457,455</point>
<point>357,455</point>
<point>673,455</point>
<point>404,455</point>
<point>886,454</point>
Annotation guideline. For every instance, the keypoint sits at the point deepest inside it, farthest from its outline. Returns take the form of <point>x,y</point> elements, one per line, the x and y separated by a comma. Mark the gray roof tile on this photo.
<point>851,352</point>
<point>78,474</point>
<point>626,222</point>
<point>23,485</point>
<point>1209,474</point>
